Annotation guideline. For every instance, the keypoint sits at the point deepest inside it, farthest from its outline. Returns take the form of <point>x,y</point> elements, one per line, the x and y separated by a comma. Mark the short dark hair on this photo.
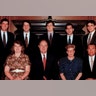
<point>69,24</point>
<point>90,21</point>
<point>27,22</point>
<point>4,19</point>
<point>50,21</point>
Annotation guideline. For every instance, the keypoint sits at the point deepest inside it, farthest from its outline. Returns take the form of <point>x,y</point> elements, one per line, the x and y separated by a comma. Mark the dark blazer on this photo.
<point>93,40</point>
<point>77,41</point>
<point>5,51</point>
<point>87,73</point>
<point>55,46</point>
<point>51,71</point>
<point>33,43</point>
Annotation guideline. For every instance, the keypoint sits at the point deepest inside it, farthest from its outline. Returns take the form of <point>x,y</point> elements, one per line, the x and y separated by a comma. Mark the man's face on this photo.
<point>26,27</point>
<point>70,52</point>
<point>43,46</point>
<point>50,27</point>
<point>91,27</point>
<point>91,50</point>
<point>69,30</point>
<point>4,26</point>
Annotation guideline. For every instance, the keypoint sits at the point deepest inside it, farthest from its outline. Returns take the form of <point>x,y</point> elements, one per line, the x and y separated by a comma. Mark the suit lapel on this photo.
<point>1,38</point>
<point>73,41</point>
<point>94,37</point>
<point>40,60</point>
<point>88,63</point>
<point>94,66</point>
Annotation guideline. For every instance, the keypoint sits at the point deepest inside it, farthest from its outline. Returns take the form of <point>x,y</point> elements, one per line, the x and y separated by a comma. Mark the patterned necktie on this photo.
<point>89,39</point>
<point>26,41</point>
<point>4,39</point>
<point>44,61</point>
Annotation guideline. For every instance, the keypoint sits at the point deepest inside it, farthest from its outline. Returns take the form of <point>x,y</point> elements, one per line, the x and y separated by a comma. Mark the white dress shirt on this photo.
<point>91,33</point>
<point>71,38</point>
<point>42,55</point>
<point>28,35</point>
<point>6,35</point>
<point>93,58</point>
<point>49,35</point>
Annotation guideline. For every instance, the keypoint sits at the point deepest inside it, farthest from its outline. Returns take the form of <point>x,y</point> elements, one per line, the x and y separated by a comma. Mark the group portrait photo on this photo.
<point>47,47</point>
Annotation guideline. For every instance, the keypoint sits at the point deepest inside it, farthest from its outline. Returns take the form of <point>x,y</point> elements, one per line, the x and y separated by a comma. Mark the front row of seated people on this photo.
<point>17,65</point>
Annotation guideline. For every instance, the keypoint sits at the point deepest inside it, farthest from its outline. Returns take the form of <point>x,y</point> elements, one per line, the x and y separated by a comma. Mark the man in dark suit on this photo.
<point>89,63</point>
<point>45,66</point>
<point>29,41</point>
<point>90,38</point>
<point>70,38</point>
<point>53,38</point>
<point>6,42</point>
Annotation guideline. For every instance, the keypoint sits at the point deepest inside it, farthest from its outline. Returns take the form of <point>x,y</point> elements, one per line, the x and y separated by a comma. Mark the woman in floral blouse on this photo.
<point>17,65</point>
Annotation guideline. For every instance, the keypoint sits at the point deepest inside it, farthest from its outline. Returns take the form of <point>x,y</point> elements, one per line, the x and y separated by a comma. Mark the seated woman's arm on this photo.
<point>7,72</point>
<point>62,76</point>
<point>78,76</point>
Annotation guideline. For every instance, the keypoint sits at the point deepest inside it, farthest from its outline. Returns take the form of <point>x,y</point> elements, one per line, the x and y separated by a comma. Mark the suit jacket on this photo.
<point>55,47</point>
<point>51,70</point>
<point>5,51</point>
<point>93,40</point>
<point>87,73</point>
<point>32,46</point>
<point>76,41</point>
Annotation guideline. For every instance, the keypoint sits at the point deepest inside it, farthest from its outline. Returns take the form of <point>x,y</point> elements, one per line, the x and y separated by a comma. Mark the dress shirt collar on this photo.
<point>28,35</point>
<point>71,37</point>
<point>5,35</point>
<point>50,33</point>
<point>92,33</point>
<point>42,55</point>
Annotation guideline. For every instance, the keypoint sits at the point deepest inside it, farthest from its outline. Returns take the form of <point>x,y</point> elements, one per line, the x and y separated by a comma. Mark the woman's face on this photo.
<point>17,48</point>
<point>70,52</point>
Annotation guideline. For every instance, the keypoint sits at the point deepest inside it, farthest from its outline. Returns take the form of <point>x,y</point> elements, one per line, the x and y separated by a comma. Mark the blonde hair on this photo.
<point>70,46</point>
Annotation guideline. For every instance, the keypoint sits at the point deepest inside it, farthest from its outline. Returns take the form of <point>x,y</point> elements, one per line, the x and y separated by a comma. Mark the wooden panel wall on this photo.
<point>12,28</point>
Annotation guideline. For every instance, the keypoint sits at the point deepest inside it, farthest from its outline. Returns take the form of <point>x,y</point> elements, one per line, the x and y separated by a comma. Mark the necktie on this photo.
<point>89,39</point>
<point>26,41</point>
<point>69,40</point>
<point>50,39</point>
<point>44,61</point>
<point>4,39</point>
<point>92,62</point>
